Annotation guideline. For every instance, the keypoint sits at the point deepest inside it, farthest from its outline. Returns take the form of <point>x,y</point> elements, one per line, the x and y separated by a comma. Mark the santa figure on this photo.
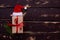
<point>17,18</point>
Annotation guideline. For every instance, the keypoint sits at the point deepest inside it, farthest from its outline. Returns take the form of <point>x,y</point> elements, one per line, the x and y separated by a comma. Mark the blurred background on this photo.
<point>42,21</point>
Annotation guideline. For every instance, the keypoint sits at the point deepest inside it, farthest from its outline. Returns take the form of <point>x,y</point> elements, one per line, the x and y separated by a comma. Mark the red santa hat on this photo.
<point>18,8</point>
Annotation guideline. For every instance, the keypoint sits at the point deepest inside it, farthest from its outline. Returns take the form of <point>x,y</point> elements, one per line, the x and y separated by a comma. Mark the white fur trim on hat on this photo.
<point>17,14</point>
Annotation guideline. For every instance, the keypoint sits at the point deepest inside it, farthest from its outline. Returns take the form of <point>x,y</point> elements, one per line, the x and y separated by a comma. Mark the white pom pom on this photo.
<point>25,7</point>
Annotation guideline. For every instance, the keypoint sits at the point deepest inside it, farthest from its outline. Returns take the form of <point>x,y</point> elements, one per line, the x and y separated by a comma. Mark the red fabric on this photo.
<point>21,24</point>
<point>18,8</point>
